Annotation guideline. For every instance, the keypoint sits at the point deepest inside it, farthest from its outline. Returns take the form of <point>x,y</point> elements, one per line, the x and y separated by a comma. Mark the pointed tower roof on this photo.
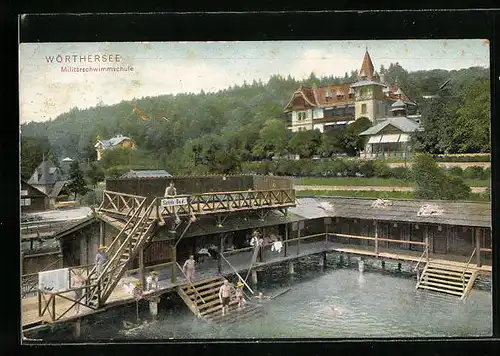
<point>367,68</point>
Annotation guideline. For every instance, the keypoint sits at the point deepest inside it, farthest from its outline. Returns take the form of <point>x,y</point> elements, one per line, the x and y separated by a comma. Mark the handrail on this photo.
<point>116,239</point>
<point>467,267</point>
<point>245,283</point>
<point>191,284</point>
<point>128,239</point>
<point>421,258</point>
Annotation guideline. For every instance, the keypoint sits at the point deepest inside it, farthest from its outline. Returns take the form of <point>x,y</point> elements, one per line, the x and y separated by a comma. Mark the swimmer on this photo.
<point>261,296</point>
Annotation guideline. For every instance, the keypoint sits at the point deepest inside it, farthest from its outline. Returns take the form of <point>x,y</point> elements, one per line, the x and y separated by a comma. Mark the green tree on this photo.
<point>305,143</point>
<point>33,150</point>
<point>95,173</point>
<point>352,141</point>
<point>76,183</point>
<point>273,139</point>
<point>433,183</point>
<point>331,142</point>
<point>472,127</point>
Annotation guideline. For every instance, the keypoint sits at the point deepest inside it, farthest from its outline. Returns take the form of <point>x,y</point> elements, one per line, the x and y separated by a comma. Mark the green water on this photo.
<point>369,304</point>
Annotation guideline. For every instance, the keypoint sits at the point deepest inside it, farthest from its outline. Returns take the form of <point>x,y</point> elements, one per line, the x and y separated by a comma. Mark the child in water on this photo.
<point>239,295</point>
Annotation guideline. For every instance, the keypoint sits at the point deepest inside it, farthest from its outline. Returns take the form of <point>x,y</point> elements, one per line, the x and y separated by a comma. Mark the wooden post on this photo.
<point>376,238</point>
<point>173,277</point>
<point>286,238</point>
<point>102,233</point>
<point>478,246</point>
<point>53,307</point>
<point>427,243</point>
<point>39,303</point>
<point>219,258</point>
<point>300,226</point>
<point>142,278</point>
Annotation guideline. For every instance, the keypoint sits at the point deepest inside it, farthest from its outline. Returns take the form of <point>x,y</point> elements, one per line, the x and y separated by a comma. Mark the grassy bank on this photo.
<point>376,194</point>
<point>374,181</point>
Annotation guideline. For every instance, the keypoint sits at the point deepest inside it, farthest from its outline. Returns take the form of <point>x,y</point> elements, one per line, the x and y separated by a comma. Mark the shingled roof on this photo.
<point>459,213</point>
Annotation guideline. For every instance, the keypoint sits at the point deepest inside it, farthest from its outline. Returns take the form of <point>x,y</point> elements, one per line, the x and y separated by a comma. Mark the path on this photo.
<point>369,188</point>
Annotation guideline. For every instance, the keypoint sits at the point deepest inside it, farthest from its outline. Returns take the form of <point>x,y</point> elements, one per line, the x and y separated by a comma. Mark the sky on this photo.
<point>158,68</point>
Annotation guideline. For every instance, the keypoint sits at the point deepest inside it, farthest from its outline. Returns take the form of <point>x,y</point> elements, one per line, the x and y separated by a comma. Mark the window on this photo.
<point>363,108</point>
<point>301,115</point>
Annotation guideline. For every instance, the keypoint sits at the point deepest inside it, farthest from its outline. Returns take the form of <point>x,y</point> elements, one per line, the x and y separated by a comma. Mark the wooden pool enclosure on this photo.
<point>448,251</point>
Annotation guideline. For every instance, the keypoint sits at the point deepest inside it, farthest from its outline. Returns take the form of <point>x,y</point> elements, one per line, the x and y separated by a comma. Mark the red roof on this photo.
<point>367,68</point>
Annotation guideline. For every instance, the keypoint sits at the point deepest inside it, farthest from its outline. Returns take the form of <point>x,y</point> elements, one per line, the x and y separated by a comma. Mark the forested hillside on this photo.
<point>220,130</point>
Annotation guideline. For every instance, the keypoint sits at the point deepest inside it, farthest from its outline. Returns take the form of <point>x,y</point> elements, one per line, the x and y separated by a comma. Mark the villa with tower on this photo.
<point>389,109</point>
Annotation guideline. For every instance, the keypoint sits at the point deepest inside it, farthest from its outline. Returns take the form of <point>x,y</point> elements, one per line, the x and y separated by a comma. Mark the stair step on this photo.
<point>201,306</point>
<point>201,282</point>
<point>445,286</point>
<point>446,271</point>
<point>218,307</point>
<point>234,316</point>
<point>206,297</point>
<point>447,276</point>
<point>441,290</point>
<point>426,277</point>
<point>450,267</point>
<point>188,290</point>
<point>214,290</point>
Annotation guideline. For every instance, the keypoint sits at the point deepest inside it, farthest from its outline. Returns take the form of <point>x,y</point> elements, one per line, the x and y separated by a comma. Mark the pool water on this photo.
<point>329,302</point>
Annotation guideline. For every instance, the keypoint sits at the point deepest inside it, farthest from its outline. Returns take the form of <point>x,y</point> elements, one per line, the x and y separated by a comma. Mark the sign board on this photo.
<point>54,280</point>
<point>26,202</point>
<point>328,221</point>
<point>174,201</point>
<point>24,193</point>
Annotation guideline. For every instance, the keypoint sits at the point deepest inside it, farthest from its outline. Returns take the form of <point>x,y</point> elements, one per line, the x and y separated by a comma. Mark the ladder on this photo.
<point>447,278</point>
<point>125,246</point>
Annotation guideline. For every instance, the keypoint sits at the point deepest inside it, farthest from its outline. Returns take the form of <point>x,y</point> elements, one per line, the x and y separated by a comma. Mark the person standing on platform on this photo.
<point>224,296</point>
<point>101,259</point>
<point>171,192</point>
<point>78,282</point>
<point>152,281</point>
<point>189,268</point>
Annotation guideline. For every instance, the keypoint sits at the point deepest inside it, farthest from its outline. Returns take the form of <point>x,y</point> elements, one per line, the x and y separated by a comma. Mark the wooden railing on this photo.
<point>219,202</point>
<point>121,203</point>
<point>114,269</point>
<point>51,303</point>
<point>420,260</point>
<point>29,282</point>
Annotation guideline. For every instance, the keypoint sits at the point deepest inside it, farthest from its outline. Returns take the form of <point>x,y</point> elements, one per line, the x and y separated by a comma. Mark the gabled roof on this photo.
<point>32,187</point>
<point>401,122</point>
<point>112,142</point>
<point>317,97</point>
<point>42,177</point>
<point>146,173</point>
<point>56,190</point>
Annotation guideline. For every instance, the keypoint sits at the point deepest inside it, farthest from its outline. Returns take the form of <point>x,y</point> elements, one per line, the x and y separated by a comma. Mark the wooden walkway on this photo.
<point>240,261</point>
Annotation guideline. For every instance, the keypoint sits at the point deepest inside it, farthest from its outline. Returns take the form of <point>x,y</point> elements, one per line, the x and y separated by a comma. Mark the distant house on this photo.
<point>32,199</point>
<point>143,173</point>
<point>50,180</point>
<point>65,166</point>
<point>391,135</point>
<point>112,143</point>
<point>337,105</point>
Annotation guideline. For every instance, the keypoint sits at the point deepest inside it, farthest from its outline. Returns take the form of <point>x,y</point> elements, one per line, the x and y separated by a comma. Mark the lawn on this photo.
<point>374,182</point>
<point>374,194</point>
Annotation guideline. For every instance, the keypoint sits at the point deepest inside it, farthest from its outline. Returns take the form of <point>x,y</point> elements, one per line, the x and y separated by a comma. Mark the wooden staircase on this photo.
<point>202,298</point>
<point>134,235</point>
<point>451,279</point>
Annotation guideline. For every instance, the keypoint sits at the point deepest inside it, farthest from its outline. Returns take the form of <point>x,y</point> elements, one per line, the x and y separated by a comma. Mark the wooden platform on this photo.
<point>409,256</point>
<point>241,262</point>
